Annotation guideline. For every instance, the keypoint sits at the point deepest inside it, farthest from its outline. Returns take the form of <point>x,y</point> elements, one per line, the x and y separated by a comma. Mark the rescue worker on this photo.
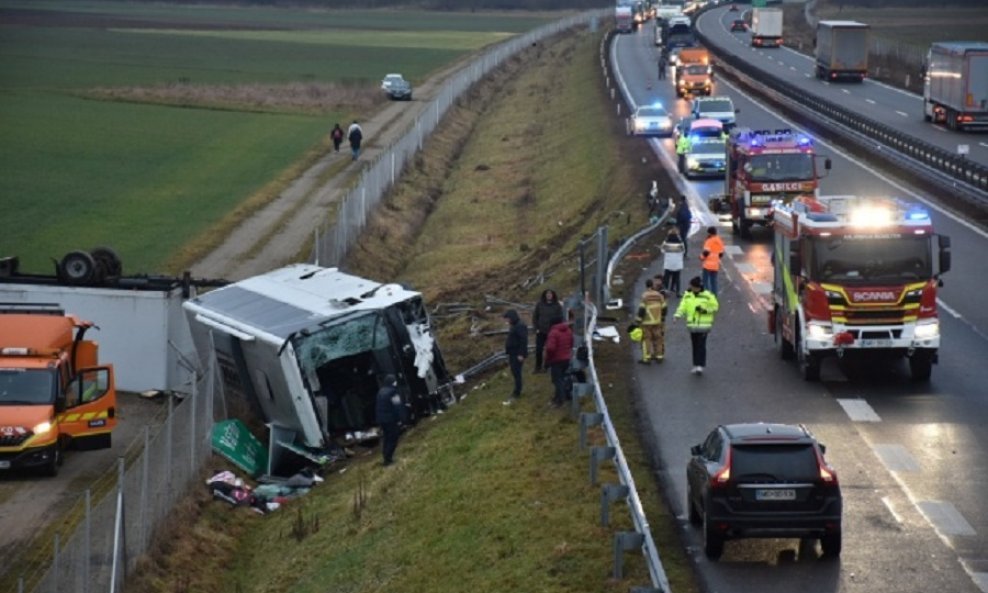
<point>698,307</point>
<point>683,146</point>
<point>651,317</point>
<point>713,252</point>
<point>663,65</point>
<point>684,220</point>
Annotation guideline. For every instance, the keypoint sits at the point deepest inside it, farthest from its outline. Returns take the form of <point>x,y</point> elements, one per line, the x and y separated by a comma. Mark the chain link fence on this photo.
<point>354,209</point>
<point>115,525</point>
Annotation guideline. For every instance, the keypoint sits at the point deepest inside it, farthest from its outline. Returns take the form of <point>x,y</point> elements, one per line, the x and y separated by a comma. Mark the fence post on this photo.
<point>88,538</point>
<point>192,426</point>
<point>145,478</point>
<point>55,564</point>
<point>119,564</point>
<point>597,455</point>
<point>392,167</point>
<point>580,390</point>
<point>624,540</point>
<point>588,419</point>
<point>610,493</point>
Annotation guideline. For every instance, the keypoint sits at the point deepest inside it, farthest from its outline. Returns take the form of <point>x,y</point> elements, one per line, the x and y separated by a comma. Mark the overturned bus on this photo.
<point>305,348</point>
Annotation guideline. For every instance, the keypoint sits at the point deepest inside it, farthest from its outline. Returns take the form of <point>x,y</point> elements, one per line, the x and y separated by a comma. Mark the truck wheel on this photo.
<point>785,348</point>
<point>51,468</point>
<point>831,544</point>
<point>809,364</point>
<point>108,262</point>
<point>77,268</point>
<point>952,120</point>
<point>735,225</point>
<point>713,543</point>
<point>745,229</point>
<point>921,366</point>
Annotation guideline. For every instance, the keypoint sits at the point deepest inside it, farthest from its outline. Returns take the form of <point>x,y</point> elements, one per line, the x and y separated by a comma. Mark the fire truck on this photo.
<point>765,166</point>
<point>856,276</point>
<point>52,391</point>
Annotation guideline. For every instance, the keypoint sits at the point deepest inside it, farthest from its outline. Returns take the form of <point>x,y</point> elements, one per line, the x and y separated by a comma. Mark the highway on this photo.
<point>891,106</point>
<point>910,456</point>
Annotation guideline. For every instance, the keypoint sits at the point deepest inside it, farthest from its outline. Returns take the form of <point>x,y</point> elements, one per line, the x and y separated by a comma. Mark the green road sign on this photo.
<point>758,3</point>
<point>232,440</point>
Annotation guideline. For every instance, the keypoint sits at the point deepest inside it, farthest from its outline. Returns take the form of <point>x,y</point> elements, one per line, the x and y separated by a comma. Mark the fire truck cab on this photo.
<point>765,166</point>
<point>856,276</point>
<point>52,393</point>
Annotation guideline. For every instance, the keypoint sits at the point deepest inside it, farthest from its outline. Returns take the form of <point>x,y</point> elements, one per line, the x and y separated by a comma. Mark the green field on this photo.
<point>146,179</point>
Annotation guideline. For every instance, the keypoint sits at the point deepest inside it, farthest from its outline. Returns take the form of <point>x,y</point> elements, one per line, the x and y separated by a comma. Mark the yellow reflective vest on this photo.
<point>683,144</point>
<point>698,309</point>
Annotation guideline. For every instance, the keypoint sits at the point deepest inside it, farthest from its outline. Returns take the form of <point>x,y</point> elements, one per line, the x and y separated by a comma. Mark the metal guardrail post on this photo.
<point>88,539</point>
<point>56,562</point>
<point>625,541</point>
<point>588,419</point>
<point>610,493</point>
<point>598,455</point>
<point>580,390</point>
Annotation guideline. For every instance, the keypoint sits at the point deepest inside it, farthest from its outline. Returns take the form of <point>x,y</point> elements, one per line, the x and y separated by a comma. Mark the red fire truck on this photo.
<point>764,166</point>
<point>856,276</point>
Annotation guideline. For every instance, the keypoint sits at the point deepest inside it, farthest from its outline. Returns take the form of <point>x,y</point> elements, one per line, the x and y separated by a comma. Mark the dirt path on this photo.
<point>273,236</point>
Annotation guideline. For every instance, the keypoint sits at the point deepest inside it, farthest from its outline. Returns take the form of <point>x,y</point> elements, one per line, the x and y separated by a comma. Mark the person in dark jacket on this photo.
<point>355,135</point>
<point>337,137</point>
<point>516,347</point>
<point>388,411</point>
<point>684,218</point>
<point>558,351</point>
<point>546,309</point>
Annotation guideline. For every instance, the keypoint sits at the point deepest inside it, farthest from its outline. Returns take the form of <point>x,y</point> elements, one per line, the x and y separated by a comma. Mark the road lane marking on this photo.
<point>806,74</point>
<point>745,267</point>
<point>902,113</point>
<point>945,518</point>
<point>733,250</point>
<point>872,101</point>
<point>762,288</point>
<point>897,458</point>
<point>985,144</point>
<point>845,91</point>
<point>980,579</point>
<point>793,68</point>
<point>858,410</point>
<point>888,505</point>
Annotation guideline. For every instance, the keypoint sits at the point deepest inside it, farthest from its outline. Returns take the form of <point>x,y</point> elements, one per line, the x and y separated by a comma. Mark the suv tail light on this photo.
<point>828,477</point>
<point>722,476</point>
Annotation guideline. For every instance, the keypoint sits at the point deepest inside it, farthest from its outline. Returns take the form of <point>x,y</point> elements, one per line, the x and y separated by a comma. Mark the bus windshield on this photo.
<point>871,259</point>
<point>780,167</point>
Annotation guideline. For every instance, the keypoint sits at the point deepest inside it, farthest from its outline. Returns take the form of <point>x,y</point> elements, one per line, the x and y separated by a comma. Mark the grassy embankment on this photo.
<point>486,497</point>
<point>100,149</point>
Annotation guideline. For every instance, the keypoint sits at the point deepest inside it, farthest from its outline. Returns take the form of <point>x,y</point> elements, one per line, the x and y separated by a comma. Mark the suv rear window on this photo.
<point>789,463</point>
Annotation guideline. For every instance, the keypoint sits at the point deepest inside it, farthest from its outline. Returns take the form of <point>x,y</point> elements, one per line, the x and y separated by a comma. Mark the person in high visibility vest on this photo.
<point>713,252</point>
<point>698,307</point>
<point>683,146</point>
<point>651,318</point>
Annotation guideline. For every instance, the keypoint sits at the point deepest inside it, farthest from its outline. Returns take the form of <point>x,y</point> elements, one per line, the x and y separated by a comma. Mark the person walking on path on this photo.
<point>516,347</point>
<point>684,219</point>
<point>698,307</point>
<point>388,411</point>
<point>651,318</point>
<point>546,309</point>
<point>663,65</point>
<point>558,351</point>
<point>355,135</point>
<point>673,250</point>
<point>336,135</point>
<point>713,252</point>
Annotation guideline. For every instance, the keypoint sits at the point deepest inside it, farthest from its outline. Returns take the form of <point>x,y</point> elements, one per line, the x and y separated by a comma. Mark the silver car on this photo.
<point>707,157</point>
<point>719,108</point>
<point>650,119</point>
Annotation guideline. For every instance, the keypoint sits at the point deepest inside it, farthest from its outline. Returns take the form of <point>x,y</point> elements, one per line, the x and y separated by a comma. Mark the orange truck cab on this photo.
<point>694,75</point>
<point>53,393</point>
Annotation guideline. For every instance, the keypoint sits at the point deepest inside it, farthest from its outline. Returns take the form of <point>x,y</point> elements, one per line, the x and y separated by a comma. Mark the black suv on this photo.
<point>763,480</point>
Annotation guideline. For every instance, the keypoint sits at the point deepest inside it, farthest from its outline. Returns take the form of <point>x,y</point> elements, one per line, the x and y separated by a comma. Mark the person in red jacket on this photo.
<point>558,351</point>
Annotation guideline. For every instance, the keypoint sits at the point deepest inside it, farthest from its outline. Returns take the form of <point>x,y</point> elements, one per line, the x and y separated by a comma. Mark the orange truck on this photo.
<point>53,392</point>
<point>694,75</point>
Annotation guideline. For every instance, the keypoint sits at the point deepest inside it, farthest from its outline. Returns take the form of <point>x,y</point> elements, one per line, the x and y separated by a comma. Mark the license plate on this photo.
<point>876,343</point>
<point>776,494</point>
<point>4,465</point>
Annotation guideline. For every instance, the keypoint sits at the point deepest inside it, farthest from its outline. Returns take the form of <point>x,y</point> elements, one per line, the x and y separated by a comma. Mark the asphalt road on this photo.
<point>910,457</point>
<point>880,102</point>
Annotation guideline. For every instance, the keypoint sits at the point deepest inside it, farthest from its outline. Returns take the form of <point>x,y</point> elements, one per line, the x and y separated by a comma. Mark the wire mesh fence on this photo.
<point>355,207</point>
<point>115,526</point>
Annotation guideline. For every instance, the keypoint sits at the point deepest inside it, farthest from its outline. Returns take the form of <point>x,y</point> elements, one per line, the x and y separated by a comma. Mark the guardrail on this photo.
<point>967,179</point>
